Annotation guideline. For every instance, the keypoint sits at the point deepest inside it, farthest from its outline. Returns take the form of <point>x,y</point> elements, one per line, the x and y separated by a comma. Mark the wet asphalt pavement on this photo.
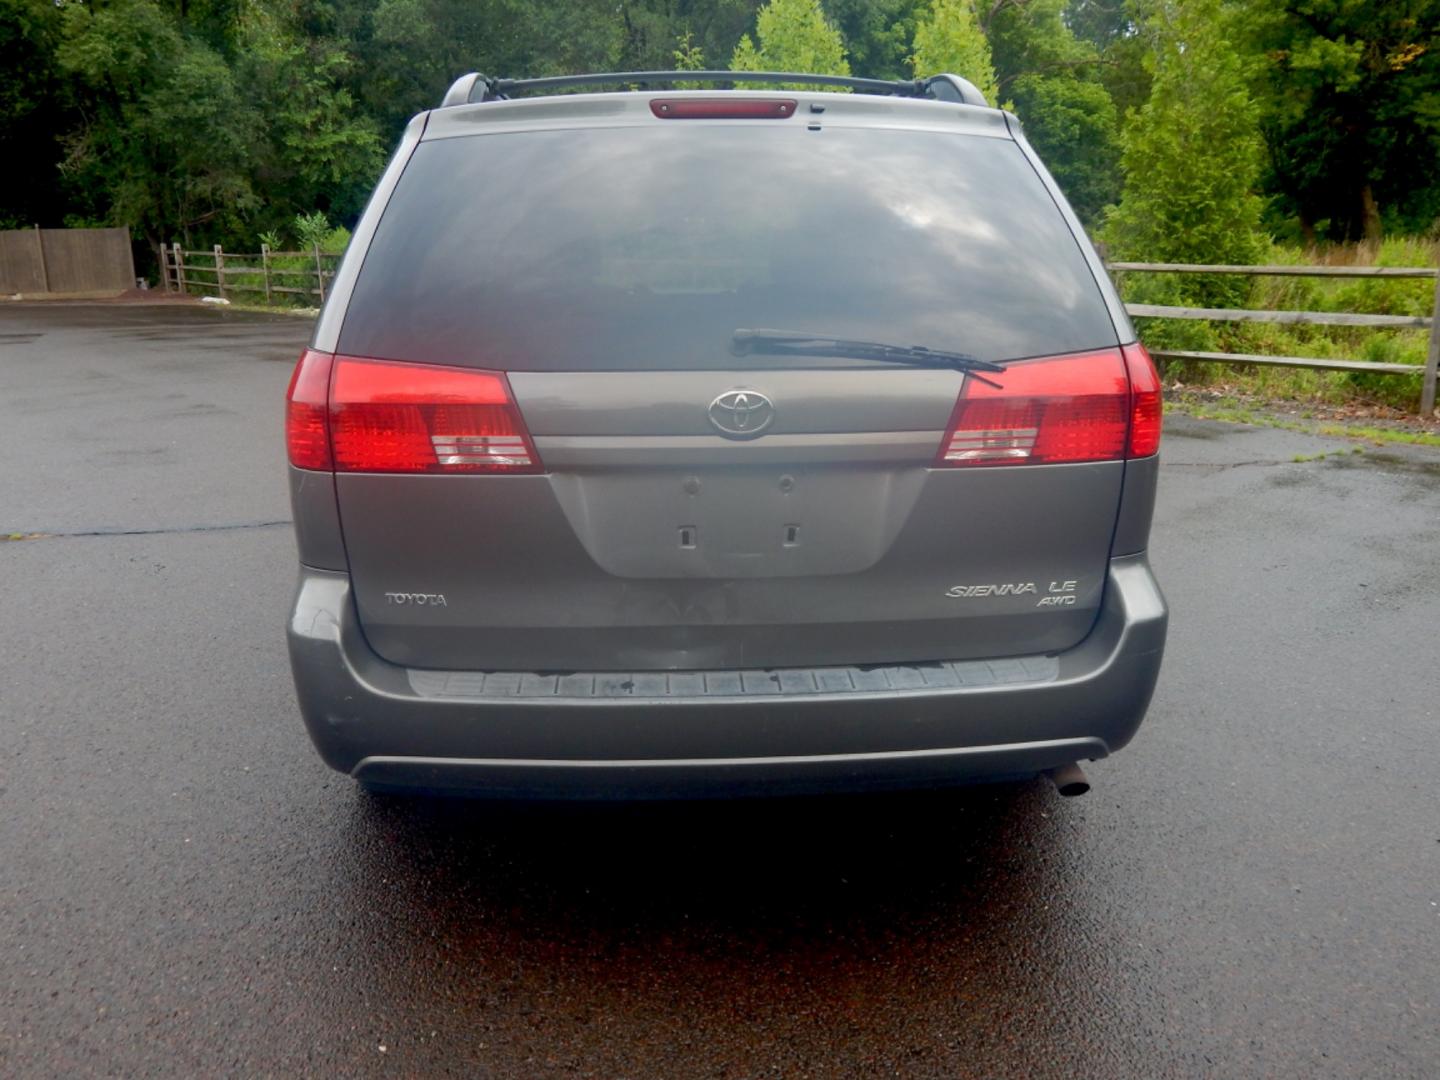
<point>1253,887</point>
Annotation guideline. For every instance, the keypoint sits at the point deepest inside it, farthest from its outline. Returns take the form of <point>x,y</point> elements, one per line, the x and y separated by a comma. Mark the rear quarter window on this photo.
<point>645,248</point>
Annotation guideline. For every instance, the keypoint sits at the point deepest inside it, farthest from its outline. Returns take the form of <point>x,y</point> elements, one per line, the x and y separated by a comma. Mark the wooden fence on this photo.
<point>269,274</point>
<point>1430,322</point>
<point>66,261</point>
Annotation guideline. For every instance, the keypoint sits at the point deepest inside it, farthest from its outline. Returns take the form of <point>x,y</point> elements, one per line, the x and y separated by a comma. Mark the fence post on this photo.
<point>220,270</point>
<point>40,250</point>
<point>319,272</point>
<point>265,269</point>
<point>179,266</point>
<point>164,269</point>
<point>1432,358</point>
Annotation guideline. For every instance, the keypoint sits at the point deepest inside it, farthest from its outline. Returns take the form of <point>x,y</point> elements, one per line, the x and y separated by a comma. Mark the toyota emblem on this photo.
<point>741,414</point>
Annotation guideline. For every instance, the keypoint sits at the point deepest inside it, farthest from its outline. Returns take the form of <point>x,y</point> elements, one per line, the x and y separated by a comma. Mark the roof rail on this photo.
<point>477,87</point>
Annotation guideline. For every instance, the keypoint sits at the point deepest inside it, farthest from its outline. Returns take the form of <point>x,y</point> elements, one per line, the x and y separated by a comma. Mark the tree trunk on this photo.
<point>1369,214</point>
<point>157,251</point>
<point>1307,229</point>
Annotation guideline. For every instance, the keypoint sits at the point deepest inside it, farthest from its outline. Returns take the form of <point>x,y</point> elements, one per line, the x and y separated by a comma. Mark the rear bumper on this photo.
<point>721,733</point>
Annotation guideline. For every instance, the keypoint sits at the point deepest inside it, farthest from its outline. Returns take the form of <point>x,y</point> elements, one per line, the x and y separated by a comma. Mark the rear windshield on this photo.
<point>626,248</point>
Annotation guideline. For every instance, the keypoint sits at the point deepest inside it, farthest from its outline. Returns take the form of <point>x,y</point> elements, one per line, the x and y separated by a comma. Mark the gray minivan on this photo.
<point>683,442</point>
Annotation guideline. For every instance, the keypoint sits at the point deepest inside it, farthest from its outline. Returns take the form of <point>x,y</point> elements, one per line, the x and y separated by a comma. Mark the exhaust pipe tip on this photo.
<point>1069,779</point>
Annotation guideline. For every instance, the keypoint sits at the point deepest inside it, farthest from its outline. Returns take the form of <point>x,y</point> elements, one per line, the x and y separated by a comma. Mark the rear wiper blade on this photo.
<point>746,342</point>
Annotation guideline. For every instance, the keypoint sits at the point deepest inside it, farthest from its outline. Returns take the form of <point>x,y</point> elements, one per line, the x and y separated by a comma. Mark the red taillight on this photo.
<point>723,108</point>
<point>1146,408</point>
<point>1057,409</point>
<point>395,417</point>
<point>307,436</point>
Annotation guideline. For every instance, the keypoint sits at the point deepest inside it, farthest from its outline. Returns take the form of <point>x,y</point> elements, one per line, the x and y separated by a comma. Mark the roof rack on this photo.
<point>477,87</point>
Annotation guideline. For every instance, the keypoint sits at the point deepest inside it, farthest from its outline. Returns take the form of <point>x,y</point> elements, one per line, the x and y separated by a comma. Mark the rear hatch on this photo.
<point>630,494</point>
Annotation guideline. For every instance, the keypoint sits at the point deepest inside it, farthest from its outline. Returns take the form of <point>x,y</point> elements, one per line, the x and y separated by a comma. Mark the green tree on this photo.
<point>1052,80</point>
<point>1030,37</point>
<point>877,34</point>
<point>689,54</point>
<point>168,135</point>
<point>1109,26</point>
<point>1073,123</point>
<point>793,35</point>
<point>1351,111</point>
<point>320,153</point>
<point>209,122</point>
<point>649,28</point>
<point>34,113</point>
<point>1192,154</point>
<point>418,47</point>
<point>716,26</point>
<point>949,40</point>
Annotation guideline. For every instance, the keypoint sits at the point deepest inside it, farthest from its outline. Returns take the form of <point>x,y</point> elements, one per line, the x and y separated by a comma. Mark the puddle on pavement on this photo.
<point>1291,478</point>
<point>1195,429</point>
<point>1385,462</point>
